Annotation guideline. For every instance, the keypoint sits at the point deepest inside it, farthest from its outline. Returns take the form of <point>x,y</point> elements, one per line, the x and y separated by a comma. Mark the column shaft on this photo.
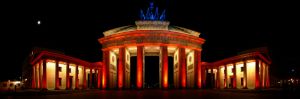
<point>105,71</point>
<point>234,76</point>
<point>218,77</point>
<point>245,74</point>
<point>99,78</point>
<point>120,67</point>
<point>164,67</point>
<point>56,75</point>
<point>197,64</point>
<point>67,76</point>
<point>268,76</point>
<point>33,82</point>
<point>76,77</point>
<point>182,68</point>
<point>140,67</point>
<point>39,78</point>
<point>84,77</point>
<point>225,82</point>
<point>257,78</point>
<point>91,78</point>
<point>44,74</point>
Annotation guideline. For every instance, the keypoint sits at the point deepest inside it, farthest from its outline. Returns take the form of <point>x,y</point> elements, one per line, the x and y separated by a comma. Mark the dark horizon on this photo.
<point>74,27</point>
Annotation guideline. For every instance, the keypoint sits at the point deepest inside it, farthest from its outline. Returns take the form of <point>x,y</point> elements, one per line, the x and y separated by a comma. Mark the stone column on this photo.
<point>234,76</point>
<point>33,82</point>
<point>40,78</point>
<point>120,67</point>
<point>105,70</point>
<point>268,76</point>
<point>218,77</point>
<point>84,77</point>
<point>226,78</point>
<point>44,75</point>
<point>245,74</point>
<point>76,78</point>
<point>91,78</point>
<point>140,67</point>
<point>257,78</point>
<point>197,68</point>
<point>67,76</point>
<point>99,78</point>
<point>182,68</point>
<point>56,75</point>
<point>164,83</point>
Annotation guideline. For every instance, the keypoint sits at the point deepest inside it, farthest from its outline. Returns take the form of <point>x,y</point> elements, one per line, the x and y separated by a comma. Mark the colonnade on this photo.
<point>243,74</point>
<point>114,72</point>
<point>56,74</point>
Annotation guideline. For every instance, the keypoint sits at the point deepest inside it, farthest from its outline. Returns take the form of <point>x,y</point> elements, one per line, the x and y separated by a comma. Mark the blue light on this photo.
<point>150,15</point>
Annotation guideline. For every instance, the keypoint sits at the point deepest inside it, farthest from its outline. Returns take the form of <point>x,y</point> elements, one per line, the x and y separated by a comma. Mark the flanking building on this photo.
<point>55,70</point>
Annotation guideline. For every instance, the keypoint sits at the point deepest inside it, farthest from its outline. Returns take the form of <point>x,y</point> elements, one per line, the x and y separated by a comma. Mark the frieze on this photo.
<point>151,39</point>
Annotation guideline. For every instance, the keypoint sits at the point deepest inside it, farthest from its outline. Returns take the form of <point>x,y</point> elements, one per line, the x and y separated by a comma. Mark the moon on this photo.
<point>39,22</point>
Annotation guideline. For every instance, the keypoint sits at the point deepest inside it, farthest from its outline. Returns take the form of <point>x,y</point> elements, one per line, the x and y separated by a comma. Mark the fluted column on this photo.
<point>197,66</point>
<point>84,77</point>
<point>56,75</point>
<point>40,78</point>
<point>268,76</point>
<point>182,68</point>
<point>68,76</point>
<point>91,78</point>
<point>76,78</point>
<point>245,74</point>
<point>225,71</point>
<point>44,75</point>
<point>257,78</point>
<point>234,75</point>
<point>105,69</point>
<point>99,78</point>
<point>218,77</point>
<point>164,50</point>
<point>120,67</point>
<point>140,67</point>
<point>33,82</point>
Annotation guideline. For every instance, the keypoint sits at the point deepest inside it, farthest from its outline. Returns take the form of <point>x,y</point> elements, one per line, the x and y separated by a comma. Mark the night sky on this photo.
<point>74,27</point>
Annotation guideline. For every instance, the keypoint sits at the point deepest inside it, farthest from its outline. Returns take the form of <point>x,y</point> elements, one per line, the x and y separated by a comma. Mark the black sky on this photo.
<point>74,27</point>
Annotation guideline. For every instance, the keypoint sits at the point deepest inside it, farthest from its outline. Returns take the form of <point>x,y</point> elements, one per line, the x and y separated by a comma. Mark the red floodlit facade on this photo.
<point>55,70</point>
<point>152,38</point>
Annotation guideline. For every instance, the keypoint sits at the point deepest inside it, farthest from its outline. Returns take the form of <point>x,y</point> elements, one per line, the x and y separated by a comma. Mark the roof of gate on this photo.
<point>151,25</point>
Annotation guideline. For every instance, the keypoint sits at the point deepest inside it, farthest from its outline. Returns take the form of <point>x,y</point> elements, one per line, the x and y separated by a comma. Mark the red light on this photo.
<point>139,67</point>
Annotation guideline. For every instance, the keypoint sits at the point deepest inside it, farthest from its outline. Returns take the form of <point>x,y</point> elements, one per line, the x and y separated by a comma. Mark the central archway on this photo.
<point>151,38</point>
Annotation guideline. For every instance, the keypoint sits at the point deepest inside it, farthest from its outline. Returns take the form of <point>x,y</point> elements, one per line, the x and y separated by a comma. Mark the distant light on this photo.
<point>39,22</point>
<point>16,82</point>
